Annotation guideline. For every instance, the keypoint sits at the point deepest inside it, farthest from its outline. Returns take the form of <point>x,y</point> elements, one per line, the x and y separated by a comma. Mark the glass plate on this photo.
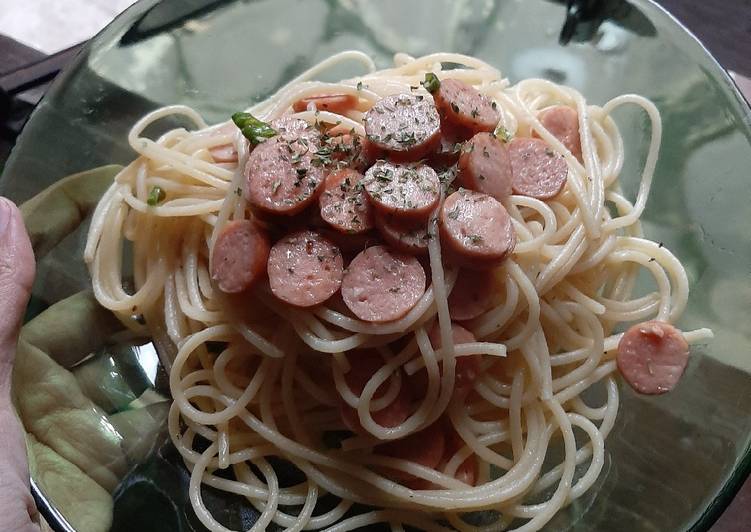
<point>674,462</point>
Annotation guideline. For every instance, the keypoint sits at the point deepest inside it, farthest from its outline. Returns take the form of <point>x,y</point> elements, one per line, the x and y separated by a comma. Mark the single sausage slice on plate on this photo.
<point>283,174</point>
<point>473,294</point>
<point>344,204</point>
<point>408,236</point>
<point>404,191</point>
<point>239,256</point>
<point>462,105</point>
<point>335,103</point>
<point>485,166</point>
<point>563,124</point>
<point>407,126</point>
<point>652,356</point>
<point>364,365</point>
<point>382,284</point>
<point>476,231</point>
<point>537,170</point>
<point>305,269</point>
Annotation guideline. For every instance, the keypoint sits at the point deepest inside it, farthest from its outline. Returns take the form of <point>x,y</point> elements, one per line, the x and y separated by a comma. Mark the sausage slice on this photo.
<point>305,269</point>
<point>473,294</point>
<point>335,103</point>
<point>467,368</point>
<point>344,204</point>
<point>485,166</point>
<point>405,191</point>
<point>239,256</point>
<point>364,365</point>
<point>652,356</point>
<point>537,170</point>
<point>409,237</point>
<point>407,126</point>
<point>563,124</point>
<point>285,174</point>
<point>462,105</point>
<point>476,231</point>
<point>425,447</point>
<point>382,284</point>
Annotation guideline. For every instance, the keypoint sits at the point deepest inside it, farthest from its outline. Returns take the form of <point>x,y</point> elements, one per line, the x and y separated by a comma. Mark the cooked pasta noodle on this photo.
<point>261,379</point>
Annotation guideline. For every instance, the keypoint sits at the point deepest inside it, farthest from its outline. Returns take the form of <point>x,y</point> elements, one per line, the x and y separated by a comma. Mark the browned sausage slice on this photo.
<point>382,284</point>
<point>285,174</point>
<point>364,365</point>
<point>305,269</point>
<point>473,294</point>
<point>652,356</point>
<point>563,124</point>
<point>335,103</point>
<point>476,231</point>
<point>406,236</point>
<point>344,204</point>
<point>462,105</point>
<point>239,256</point>
<point>537,170</point>
<point>405,125</point>
<point>405,191</point>
<point>485,166</point>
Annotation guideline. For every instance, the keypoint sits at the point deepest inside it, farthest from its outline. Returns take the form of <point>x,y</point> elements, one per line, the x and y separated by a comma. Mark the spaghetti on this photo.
<point>265,380</point>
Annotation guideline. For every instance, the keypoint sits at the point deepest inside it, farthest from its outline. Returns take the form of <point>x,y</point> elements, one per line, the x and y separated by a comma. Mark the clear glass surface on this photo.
<point>673,462</point>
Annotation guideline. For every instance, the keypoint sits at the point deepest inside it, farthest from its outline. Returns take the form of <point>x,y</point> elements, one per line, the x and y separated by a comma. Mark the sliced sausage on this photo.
<point>473,294</point>
<point>344,204</point>
<point>485,166</point>
<point>476,231</point>
<point>225,153</point>
<point>406,191</point>
<point>462,105</point>
<point>450,147</point>
<point>425,447</point>
<point>407,126</point>
<point>335,103</point>
<point>364,365</point>
<point>537,170</point>
<point>351,150</point>
<point>467,367</point>
<point>239,256</point>
<point>563,124</point>
<point>652,356</point>
<point>382,284</point>
<point>468,472</point>
<point>285,174</point>
<point>305,269</point>
<point>409,237</point>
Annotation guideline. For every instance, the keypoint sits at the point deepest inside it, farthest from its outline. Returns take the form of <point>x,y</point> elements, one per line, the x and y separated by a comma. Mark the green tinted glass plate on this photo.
<point>673,461</point>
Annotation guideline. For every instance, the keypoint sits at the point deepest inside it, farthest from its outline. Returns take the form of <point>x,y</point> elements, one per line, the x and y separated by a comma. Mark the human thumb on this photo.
<point>16,276</point>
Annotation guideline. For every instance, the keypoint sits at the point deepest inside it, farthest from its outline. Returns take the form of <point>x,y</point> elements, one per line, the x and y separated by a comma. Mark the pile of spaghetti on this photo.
<point>451,418</point>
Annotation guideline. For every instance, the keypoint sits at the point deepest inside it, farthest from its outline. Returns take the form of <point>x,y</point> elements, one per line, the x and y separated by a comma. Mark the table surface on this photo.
<point>724,26</point>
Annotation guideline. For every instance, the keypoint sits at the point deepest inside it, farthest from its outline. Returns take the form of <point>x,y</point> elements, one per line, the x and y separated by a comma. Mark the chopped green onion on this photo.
<point>502,134</point>
<point>253,129</point>
<point>431,83</point>
<point>156,196</point>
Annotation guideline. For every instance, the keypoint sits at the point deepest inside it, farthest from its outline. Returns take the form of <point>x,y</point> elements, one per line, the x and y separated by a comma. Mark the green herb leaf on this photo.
<point>253,129</point>
<point>502,134</point>
<point>431,83</point>
<point>156,196</point>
